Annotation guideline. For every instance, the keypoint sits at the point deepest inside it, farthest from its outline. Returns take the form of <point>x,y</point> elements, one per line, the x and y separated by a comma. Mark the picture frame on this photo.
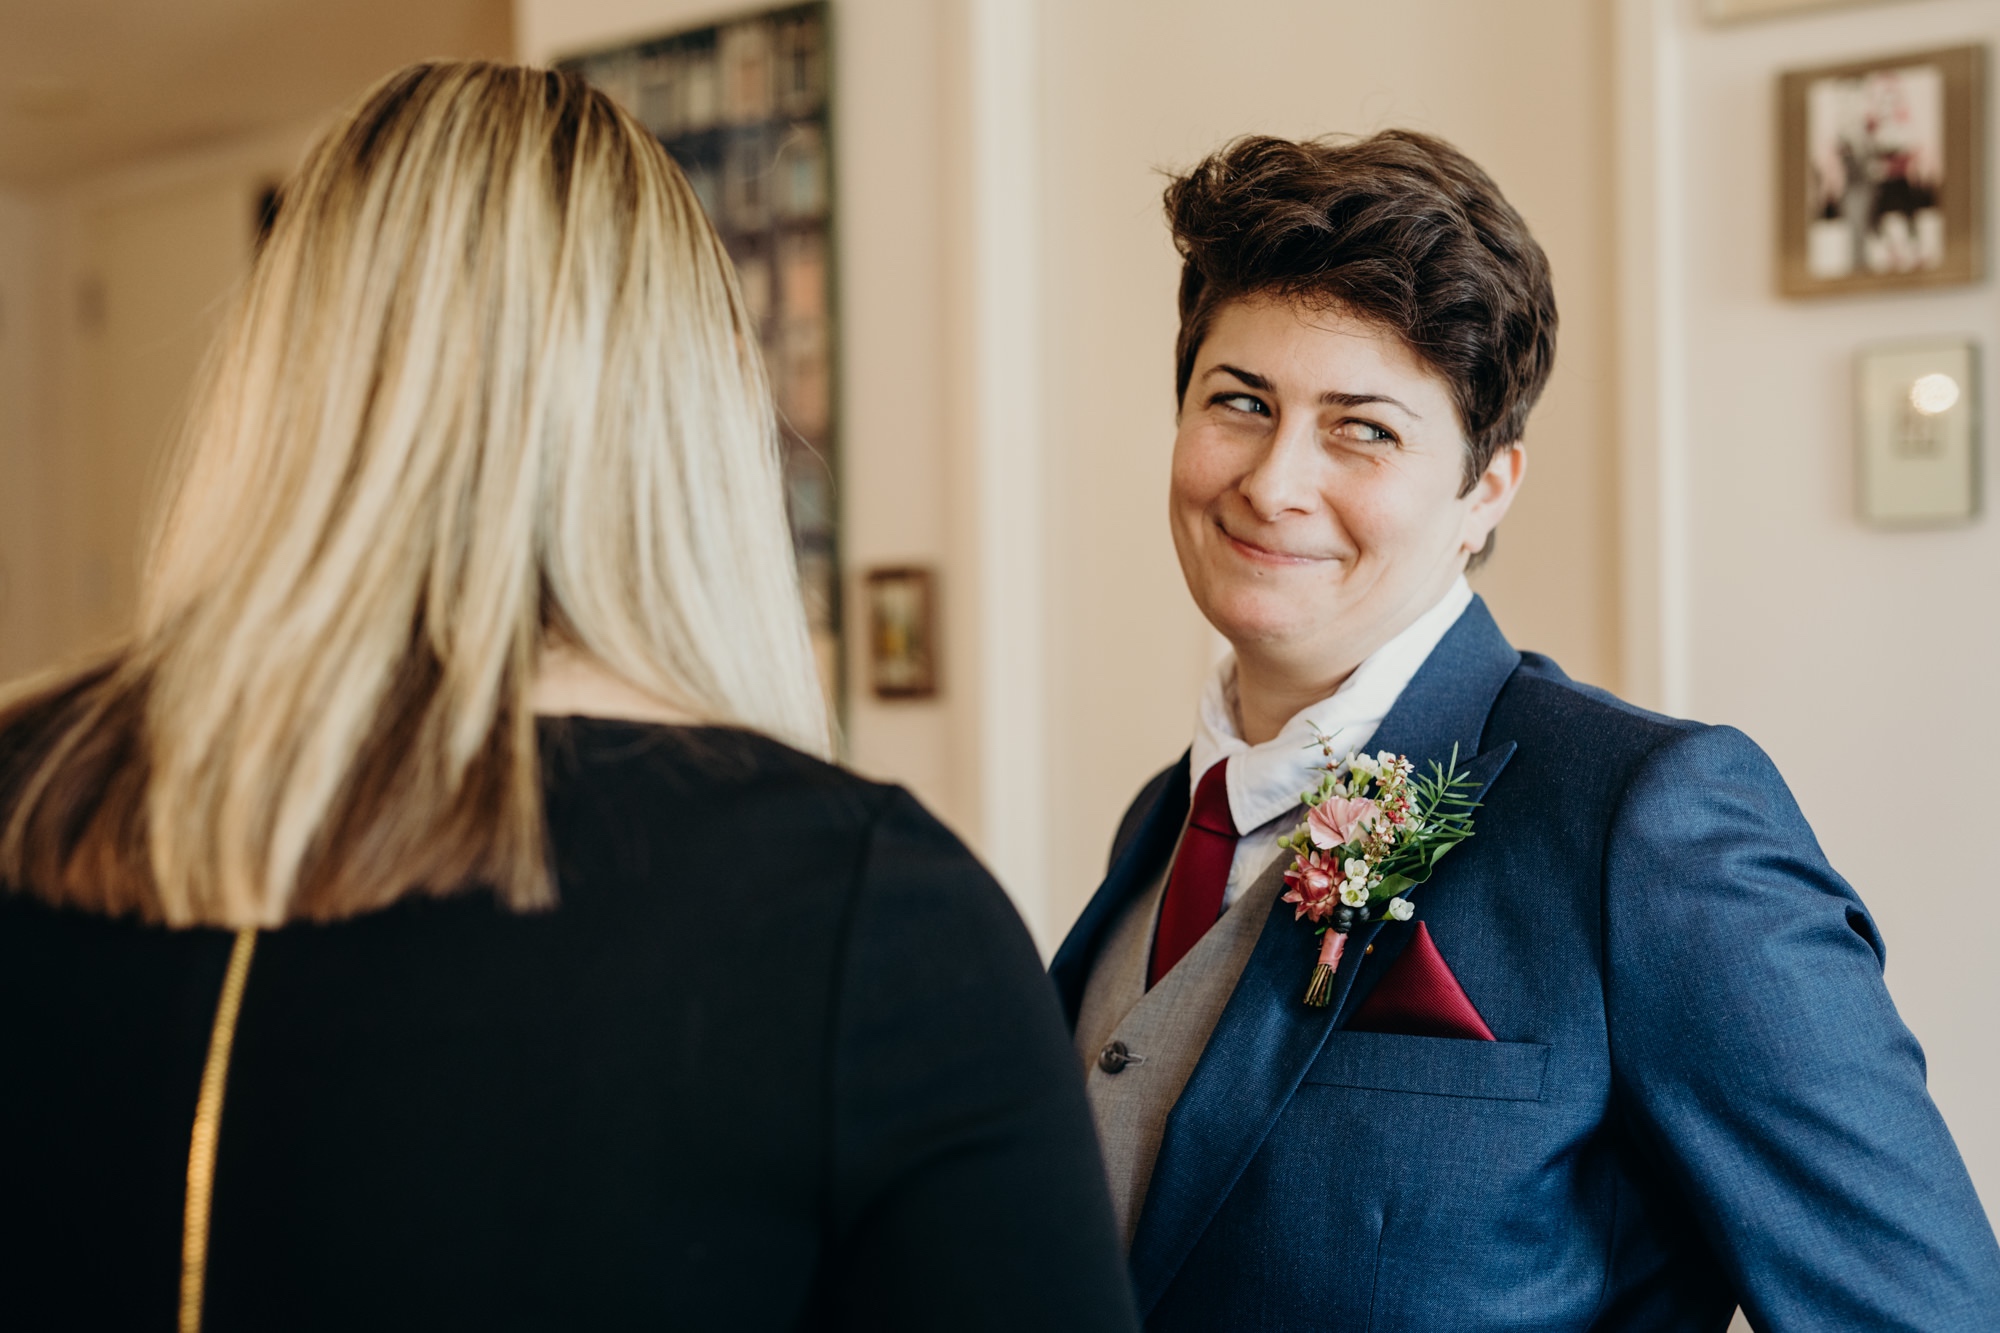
<point>1881,179</point>
<point>902,632</point>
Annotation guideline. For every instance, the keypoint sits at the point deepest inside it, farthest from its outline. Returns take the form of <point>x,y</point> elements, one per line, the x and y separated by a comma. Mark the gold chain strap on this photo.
<point>207,1125</point>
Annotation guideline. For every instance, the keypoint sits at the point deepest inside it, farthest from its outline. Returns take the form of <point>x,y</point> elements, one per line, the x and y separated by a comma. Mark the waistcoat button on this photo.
<point>1113,1058</point>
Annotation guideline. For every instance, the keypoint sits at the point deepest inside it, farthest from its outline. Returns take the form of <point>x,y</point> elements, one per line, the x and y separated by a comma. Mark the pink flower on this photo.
<point>1314,881</point>
<point>1339,820</point>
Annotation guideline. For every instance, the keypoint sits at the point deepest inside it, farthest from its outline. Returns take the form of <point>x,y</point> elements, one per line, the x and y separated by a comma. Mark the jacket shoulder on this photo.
<point>1541,701</point>
<point>1596,746</point>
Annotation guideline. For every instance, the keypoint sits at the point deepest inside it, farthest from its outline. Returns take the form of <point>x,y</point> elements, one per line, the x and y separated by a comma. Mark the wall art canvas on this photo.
<point>743,107</point>
<point>1882,173</point>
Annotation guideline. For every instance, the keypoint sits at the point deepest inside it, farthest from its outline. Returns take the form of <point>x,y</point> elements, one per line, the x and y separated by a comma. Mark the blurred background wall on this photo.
<point>1006,303</point>
<point>1864,660</point>
<point>136,141</point>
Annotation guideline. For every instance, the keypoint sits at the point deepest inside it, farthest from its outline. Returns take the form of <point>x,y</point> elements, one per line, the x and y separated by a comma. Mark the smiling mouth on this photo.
<point>1264,554</point>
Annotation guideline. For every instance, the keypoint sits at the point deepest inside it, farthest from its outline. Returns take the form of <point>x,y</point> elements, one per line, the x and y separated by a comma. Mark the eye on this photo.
<point>1241,402</point>
<point>1364,432</point>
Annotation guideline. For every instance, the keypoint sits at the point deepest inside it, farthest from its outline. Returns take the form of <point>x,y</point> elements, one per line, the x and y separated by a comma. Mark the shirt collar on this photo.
<point>1266,780</point>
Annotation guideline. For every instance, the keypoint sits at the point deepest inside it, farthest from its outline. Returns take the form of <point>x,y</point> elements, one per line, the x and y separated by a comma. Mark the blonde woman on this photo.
<point>438,912</point>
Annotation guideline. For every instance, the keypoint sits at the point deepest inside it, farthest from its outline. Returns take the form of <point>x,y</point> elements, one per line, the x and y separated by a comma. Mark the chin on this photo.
<point>1261,617</point>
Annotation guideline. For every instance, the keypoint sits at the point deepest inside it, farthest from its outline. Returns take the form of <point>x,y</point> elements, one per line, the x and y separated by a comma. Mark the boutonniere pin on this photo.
<point>1373,831</point>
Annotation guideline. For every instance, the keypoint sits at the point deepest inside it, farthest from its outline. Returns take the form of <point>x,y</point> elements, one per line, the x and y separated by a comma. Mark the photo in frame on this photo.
<point>1881,173</point>
<point>902,632</point>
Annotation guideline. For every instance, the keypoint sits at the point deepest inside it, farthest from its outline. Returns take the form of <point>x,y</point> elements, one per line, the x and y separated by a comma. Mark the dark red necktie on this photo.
<point>1201,871</point>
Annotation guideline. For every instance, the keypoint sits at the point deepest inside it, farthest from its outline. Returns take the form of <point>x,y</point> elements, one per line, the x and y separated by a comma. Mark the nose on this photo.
<point>1282,479</point>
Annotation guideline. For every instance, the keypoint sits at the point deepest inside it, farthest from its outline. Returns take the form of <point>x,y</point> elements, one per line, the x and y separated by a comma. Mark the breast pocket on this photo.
<point>1508,1071</point>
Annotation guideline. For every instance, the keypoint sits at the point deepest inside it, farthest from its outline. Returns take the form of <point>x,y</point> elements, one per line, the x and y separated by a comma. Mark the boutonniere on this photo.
<point>1373,831</point>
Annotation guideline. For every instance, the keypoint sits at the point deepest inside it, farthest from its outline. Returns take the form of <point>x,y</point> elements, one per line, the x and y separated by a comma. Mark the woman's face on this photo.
<point>1315,499</point>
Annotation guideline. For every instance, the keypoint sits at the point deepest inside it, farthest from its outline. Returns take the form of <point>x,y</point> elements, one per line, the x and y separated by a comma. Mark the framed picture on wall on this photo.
<point>1881,173</point>
<point>902,632</point>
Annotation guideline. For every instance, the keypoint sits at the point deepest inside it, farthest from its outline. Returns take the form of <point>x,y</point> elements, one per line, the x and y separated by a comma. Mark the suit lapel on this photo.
<point>1268,1036</point>
<point>1132,868</point>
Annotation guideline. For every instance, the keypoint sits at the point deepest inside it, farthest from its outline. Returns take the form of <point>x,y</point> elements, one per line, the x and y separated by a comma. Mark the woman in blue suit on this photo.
<point>1632,1062</point>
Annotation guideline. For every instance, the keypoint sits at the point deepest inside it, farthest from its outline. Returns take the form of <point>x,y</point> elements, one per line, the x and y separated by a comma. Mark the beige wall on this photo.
<point>1137,86</point>
<point>24,640</point>
<point>123,275</point>
<point>897,304</point>
<point>1863,660</point>
<point>151,271</point>
<point>126,221</point>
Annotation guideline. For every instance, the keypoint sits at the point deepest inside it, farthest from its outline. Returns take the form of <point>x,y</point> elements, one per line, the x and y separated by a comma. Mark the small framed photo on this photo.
<point>1881,173</point>
<point>1917,418</point>
<point>902,632</point>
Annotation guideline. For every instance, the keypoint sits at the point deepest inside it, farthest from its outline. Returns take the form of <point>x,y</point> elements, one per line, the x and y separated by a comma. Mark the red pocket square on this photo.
<point>1419,997</point>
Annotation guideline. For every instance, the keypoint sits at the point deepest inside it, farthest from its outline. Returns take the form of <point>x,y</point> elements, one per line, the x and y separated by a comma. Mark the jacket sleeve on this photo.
<point>1757,1053</point>
<point>967,1187</point>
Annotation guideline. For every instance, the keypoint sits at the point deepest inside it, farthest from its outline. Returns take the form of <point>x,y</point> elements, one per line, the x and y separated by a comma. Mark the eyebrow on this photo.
<point>1331,398</point>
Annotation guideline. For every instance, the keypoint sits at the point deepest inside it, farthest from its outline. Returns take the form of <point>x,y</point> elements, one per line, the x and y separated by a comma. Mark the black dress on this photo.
<point>783,1057</point>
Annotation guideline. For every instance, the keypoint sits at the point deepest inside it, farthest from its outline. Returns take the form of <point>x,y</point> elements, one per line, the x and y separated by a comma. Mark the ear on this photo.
<point>1491,496</point>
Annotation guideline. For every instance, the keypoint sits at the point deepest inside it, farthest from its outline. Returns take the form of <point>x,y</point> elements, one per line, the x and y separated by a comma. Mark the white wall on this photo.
<point>1863,660</point>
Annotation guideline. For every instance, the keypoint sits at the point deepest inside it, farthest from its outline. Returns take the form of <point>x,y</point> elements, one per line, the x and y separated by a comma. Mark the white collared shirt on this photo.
<point>1265,781</point>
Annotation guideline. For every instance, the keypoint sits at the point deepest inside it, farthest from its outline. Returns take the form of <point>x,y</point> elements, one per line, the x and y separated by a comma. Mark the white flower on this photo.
<point>1354,893</point>
<point>1400,909</point>
<point>1357,870</point>
<point>1361,763</point>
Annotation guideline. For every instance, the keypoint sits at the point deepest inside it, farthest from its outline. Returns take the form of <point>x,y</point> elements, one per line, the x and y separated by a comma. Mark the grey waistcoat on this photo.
<point>1166,1028</point>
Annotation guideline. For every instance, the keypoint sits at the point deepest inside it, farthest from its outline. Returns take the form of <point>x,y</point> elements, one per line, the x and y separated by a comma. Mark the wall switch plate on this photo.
<point>1917,428</point>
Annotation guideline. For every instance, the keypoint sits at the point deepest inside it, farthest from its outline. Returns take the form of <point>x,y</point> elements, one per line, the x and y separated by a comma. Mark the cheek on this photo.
<point>1391,512</point>
<point>1198,476</point>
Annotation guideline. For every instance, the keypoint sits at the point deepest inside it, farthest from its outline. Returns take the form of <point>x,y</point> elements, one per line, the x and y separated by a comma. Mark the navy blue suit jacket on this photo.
<point>1700,1094</point>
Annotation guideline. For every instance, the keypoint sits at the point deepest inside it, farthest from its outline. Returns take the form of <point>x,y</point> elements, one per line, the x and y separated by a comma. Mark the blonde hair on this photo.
<point>491,387</point>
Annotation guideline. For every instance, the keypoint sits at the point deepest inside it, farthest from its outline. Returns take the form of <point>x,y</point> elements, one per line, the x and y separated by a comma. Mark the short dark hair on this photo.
<point>1400,229</point>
